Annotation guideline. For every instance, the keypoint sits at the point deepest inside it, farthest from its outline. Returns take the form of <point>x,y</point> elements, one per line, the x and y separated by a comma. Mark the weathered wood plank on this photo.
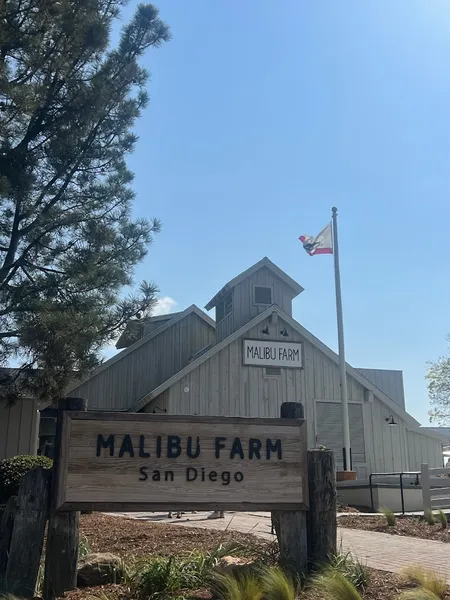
<point>321,517</point>
<point>6,529</point>
<point>28,533</point>
<point>292,541</point>
<point>61,555</point>
<point>290,526</point>
<point>240,462</point>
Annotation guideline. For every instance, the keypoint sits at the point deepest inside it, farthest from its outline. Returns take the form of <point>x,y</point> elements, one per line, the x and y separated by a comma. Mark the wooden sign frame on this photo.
<point>295,437</point>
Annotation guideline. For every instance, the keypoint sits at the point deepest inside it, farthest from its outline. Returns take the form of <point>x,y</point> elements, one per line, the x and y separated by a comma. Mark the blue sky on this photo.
<point>263,116</point>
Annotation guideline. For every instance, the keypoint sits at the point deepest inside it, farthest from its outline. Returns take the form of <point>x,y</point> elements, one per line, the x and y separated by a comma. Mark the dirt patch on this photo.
<point>404,526</point>
<point>130,538</point>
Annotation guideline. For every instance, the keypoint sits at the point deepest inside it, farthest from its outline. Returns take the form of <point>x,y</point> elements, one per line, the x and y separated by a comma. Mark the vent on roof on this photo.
<point>263,295</point>
<point>273,371</point>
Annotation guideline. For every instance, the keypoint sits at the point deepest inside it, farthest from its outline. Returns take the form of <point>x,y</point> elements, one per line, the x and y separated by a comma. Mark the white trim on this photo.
<point>309,337</point>
<point>166,325</point>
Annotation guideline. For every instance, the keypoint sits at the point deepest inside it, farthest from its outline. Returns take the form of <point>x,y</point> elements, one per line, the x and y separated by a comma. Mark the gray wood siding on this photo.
<point>225,327</point>
<point>160,404</point>
<point>390,382</point>
<point>128,379</point>
<point>222,386</point>
<point>244,310</point>
<point>19,426</point>
<point>423,449</point>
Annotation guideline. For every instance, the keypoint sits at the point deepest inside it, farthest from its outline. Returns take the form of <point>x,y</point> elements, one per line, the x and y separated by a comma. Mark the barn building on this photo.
<point>246,362</point>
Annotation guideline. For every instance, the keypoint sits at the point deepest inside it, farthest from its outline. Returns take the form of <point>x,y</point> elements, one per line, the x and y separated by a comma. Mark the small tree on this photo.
<point>438,377</point>
<point>68,243</point>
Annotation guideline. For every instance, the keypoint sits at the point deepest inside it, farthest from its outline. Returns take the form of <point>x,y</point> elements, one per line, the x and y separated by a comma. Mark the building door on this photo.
<point>329,433</point>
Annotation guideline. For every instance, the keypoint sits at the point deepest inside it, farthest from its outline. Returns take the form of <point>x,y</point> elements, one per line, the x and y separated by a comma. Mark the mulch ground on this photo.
<point>131,539</point>
<point>404,526</point>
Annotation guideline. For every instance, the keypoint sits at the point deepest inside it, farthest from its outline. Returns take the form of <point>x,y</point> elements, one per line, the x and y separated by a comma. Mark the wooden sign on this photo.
<point>272,354</point>
<point>117,461</point>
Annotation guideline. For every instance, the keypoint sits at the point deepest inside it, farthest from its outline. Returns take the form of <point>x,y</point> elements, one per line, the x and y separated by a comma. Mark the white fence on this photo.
<point>435,490</point>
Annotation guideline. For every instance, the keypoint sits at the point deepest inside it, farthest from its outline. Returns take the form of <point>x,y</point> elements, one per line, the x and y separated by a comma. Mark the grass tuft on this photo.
<point>351,568</point>
<point>390,516</point>
<point>155,576</point>
<point>429,517</point>
<point>84,547</point>
<point>427,580</point>
<point>419,594</point>
<point>229,587</point>
<point>277,585</point>
<point>442,518</point>
<point>413,574</point>
<point>333,585</point>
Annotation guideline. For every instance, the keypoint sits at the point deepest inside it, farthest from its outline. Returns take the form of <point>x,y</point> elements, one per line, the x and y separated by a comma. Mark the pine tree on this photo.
<point>68,242</point>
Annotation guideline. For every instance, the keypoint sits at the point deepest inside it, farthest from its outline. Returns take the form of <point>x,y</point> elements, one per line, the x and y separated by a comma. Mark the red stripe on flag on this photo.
<point>323,251</point>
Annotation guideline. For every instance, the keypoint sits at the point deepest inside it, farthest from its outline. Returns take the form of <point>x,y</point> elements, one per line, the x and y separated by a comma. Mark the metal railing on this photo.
<point>399,474</point>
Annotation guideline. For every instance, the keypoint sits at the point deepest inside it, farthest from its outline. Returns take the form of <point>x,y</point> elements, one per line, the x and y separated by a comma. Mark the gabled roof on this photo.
<point>264,262</point>
<point>134,325</point>
<point>309,337</point>
<point>144,340</point>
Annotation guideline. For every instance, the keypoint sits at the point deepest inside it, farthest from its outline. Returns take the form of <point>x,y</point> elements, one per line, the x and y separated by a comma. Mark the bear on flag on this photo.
<point>321,244</point>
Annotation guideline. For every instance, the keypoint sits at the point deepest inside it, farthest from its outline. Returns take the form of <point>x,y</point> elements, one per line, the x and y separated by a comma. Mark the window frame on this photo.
<point>268,287</point>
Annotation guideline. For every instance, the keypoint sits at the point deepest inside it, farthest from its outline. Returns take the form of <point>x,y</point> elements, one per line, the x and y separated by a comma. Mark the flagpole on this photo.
<point>340,328</point>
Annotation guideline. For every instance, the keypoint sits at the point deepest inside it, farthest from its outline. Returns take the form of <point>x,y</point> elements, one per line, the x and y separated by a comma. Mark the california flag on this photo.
<point>321,244</point>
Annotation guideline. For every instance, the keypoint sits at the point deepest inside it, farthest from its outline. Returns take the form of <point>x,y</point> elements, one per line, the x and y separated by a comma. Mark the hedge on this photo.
<point>12,471</point>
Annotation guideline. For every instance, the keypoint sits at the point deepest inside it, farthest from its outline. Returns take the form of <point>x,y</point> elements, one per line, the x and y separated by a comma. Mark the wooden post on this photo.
<point>61,557</point>
<point>322,521</point>
<point>290,526</point>
<point>28,533</point>
<point>6,529</point>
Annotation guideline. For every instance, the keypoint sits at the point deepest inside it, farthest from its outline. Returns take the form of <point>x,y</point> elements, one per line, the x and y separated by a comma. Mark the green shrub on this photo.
<point>12,471</point>
<point>442,518</point>
<point>390,516</point>
<point>429,517</point>
<point>350,567</point>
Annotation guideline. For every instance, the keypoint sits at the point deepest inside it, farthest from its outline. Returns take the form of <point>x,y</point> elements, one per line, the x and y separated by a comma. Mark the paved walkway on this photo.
<point>378,550</point>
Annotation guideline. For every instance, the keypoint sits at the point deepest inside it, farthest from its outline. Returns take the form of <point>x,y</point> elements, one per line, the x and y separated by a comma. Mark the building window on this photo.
<point>262,295</point>
<point>224,307</point>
